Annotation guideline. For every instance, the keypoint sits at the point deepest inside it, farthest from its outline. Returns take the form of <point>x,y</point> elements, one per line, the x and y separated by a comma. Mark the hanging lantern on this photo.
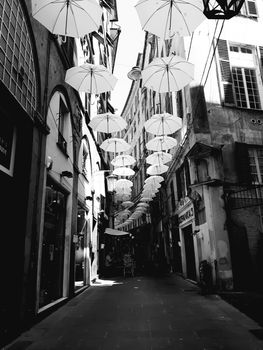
<point>135,73</point>
<point>222,9</point>
<point>111,182</point>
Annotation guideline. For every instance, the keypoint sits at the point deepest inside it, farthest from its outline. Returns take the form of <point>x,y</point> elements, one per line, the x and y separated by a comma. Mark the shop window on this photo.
<point>80,242</point>
<point>17,68</point>
<point>52,265</point>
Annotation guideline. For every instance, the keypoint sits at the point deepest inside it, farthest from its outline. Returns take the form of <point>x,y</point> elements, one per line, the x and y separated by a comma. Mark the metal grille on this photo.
<point>246,198</point>
<point>17,70</point>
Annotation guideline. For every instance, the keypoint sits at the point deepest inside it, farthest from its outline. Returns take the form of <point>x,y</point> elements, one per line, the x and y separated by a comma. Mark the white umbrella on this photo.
<point>123,191</point>
<point>73,18</point>
<point>123,171</point>
<point>157,169</point>
<point>107,123</point>
<point>111,231</point>
<point>145,205</point>
<point>165,18</point>
<point>123,160</point>
<point>163,124</point>
<point>167,74</point>
<point>123,183</point>
<point>154,178</point>
<point>127,204</point>
<point>161,143</point>
<point>146,199</point>
<point>151,187</point>
<point>91,78</point>
<point>115,145</point>
<point>159,158</point>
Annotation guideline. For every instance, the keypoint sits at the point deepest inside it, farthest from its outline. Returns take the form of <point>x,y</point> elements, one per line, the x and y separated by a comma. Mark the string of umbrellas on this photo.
<point>167,19</point>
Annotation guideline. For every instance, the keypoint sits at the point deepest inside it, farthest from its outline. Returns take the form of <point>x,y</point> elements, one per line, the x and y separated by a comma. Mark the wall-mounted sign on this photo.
<point>186,215</point>
<point>7,145</point>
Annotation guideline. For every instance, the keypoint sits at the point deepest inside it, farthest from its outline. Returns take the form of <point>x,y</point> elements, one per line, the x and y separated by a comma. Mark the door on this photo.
<point>189,252</point>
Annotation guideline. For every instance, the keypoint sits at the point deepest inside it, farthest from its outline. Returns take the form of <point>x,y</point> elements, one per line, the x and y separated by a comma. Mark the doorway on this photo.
<point>189,252</point>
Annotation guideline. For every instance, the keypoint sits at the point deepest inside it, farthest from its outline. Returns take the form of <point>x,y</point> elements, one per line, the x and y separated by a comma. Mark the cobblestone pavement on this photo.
<point>143,313</point>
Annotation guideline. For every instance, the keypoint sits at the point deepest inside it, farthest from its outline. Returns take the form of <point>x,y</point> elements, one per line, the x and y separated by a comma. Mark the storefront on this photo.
<point>188,243</point>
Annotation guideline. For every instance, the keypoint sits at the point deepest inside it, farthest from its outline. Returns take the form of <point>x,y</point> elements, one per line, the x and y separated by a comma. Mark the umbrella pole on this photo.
<point>66,23</point>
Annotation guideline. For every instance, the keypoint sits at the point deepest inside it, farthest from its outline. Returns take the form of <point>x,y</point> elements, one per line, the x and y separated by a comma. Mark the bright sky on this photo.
<point>130,44</point>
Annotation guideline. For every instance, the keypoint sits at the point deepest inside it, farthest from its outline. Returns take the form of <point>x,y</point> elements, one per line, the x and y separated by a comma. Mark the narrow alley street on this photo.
<point>142,313</point>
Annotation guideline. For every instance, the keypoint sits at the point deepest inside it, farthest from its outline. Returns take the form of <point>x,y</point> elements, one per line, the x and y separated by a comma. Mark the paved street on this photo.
<point>143,313</point>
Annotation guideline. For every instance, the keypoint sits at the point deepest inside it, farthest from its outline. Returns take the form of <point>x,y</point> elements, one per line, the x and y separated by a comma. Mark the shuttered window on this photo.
<point>256,164</point>
<point>249,9</point>
<point>226,76</point>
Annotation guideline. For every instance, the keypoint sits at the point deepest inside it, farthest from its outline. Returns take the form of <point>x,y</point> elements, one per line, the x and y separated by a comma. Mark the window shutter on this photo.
<point>252,8</point>
<point>261,55</point>
<point>226,75</point>
<point>242,164</point>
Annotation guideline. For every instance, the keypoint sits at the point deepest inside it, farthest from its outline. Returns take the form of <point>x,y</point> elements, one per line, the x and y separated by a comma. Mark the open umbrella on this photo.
<point>91,78</point>
<point>127,204</point>
<point>157,169</point>
<point>73,18</point>
<point>161,143</point>
<point>123,183</point>
<point>154,178</point>
<point>111,231</point>
<point>107,123</point>
<point>123,171</point>
<point>115,145</point>
<point>163,124</point>
<point>146,199</point>
<point>167,74</point>
<point>165,18</point>
<point>123,160</point>
<point>159,158</point>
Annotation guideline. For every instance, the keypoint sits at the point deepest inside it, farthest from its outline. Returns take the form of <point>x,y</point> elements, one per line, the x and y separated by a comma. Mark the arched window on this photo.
<point>17,69</point>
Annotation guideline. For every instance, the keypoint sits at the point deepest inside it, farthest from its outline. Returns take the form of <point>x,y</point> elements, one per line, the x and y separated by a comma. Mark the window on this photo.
<point>245,88</point>
<point>172,195</point>
<point>239,71</point>
<point>62,143</point>
<point>249,9</point>
<point>84,161</point>
<point>256,164</point>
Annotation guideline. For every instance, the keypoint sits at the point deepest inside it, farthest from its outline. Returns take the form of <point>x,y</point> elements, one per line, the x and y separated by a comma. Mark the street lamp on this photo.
<point>222,9</point>
<point>135,73</point>
<point>111,182</point>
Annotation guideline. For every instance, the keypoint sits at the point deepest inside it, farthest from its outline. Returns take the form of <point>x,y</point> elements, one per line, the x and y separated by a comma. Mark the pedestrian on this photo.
<point>108,264</point>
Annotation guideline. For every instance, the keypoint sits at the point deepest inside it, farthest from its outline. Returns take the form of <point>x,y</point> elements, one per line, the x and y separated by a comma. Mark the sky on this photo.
<point>130,44</point>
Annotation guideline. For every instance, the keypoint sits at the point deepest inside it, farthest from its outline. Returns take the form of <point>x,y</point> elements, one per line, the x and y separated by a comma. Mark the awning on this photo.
<point>111,231</point>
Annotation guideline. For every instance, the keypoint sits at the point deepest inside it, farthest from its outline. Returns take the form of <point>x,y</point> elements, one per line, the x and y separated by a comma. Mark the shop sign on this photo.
<point>7,145</point>
<point>186,216</point>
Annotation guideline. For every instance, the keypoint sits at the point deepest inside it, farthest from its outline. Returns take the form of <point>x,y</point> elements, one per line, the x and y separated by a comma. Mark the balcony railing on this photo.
<point>248,197</point>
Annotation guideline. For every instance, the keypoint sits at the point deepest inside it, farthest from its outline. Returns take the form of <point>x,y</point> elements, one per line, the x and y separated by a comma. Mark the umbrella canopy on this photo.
<point>73,18</point>
<point>154,178</point>
<point>157,169</point>
<point>123,191</point>
<point>91,78</point>
<point>151,187</point>
<point>163,124</point>
<point>161,143</point>
<point>115,145</point>
<point>123,160</point>
<point>145,205</point>
<point>146,199</point>
<point>165,18</point>
<point>159,158</point>
<point>123,183</point>
<point>127,204</point>
<point>123,171</point>
<point>108,123</point>
<point>167,74</point>
<point>111,231</point>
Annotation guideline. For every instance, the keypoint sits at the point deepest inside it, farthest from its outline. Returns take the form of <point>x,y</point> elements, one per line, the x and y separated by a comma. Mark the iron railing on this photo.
<point>249,197</point>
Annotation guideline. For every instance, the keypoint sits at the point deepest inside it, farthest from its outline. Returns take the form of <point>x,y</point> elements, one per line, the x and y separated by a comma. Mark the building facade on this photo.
<point>48,156</point>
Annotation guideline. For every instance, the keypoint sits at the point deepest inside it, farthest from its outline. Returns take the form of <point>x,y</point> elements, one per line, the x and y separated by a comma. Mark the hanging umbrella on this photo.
<point>151,187</point>
<point>107,123</point>
<point>146,199</point>
<point>123,183</point>
<point>123,191</point>
<point>161,143</point>
<point>163,124</point>
<point>73,18</point>
<point>115,145</point>
<point>154,178</point>
<point>145,205</point>
<point>127,204</point>
<point>91,78</point>
<point>159,158</point>
<point>165,18</point>
<point>111,231</point>
<point>167,74</point>
<point>157,169</point>
<point>123,160</point>
<point>123,171</point>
